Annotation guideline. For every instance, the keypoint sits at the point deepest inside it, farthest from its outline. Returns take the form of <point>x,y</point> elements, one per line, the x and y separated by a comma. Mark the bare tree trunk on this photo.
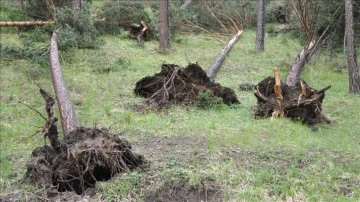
<point>164,26</point>
<point>67,112</point>
<point>293,76</point>
<point>185,5</point>
<point>215,66</point>
<point>354,75</point>
<point>23,23</point>
<point>22,5</point>
<point>260,10</point>
<point>77,4</point>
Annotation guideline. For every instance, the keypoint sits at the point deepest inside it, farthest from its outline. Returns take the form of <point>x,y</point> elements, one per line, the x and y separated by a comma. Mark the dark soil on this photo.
<point>88,155</point>
<point>177,85</point>
<point>181,191</point>
<point>296,105</point>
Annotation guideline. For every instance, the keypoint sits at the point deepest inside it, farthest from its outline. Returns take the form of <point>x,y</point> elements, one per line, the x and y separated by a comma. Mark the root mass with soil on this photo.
<point>177,85</point>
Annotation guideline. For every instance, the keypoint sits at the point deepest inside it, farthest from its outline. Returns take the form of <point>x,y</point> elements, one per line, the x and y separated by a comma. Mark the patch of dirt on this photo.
<point>300,102</point>
<point>181,191</point>
<point>177,85</point>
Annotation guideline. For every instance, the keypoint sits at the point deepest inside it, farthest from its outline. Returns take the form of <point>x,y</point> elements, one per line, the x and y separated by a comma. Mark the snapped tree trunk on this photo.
<point>354,74</point>
<point>260,8</point>
<point>164,26</point>
<point>293,76</point>
<point>215,66</point>
<point>67,112</point>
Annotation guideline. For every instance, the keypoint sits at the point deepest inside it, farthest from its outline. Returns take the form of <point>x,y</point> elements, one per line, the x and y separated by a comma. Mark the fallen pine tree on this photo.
<point>299,102</point>
<point>85,155</point>
<point>177,85</point>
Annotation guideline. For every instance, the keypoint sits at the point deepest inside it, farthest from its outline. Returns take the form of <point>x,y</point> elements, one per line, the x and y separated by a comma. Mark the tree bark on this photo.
<point>354,75</point>
<point>77,4</point>
<point>67,112</point>
<point>260,8</point>
<point>293,76</point>
<point>164,26</point>
<point>215,66</point>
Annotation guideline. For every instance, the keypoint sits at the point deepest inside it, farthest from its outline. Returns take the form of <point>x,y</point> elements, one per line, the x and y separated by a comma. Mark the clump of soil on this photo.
<point>177,85</point>
<point>300,102</point>
<point>181,191</point>
<point>82,158</point>
<point>88,155</point>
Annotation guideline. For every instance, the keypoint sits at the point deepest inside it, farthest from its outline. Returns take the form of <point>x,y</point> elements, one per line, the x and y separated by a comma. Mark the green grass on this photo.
<point>250,160</point>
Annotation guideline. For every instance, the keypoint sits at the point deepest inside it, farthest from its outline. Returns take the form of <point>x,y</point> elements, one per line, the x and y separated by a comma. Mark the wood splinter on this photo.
<point>277,87</point>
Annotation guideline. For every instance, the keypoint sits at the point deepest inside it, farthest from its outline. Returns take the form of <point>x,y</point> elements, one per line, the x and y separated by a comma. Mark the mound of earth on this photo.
<point>177,85</point>
<point>300,102</point>
<point>88,155</point>
<point>83,157</point>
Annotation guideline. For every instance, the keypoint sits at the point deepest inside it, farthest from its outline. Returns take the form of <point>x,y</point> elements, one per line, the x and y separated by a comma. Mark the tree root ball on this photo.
<point>300,102</point>
<point>177,85</point>
<point>86,156</point>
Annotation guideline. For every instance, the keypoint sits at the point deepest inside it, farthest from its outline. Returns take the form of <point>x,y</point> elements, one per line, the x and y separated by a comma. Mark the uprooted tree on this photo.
<point>85,155</point>
<point>177,85</point>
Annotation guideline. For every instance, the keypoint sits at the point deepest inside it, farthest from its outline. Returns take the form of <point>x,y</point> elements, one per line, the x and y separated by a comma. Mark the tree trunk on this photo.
<point>22,5</point>
<point>354,75</point>
<point>23,23</point>
<point>293,76</point>
<point>67,112</point>
<point>215,66</point>
<point>77,4</point>
<point>164,26</point>
<point>260,8</point>
<point>185,5</point>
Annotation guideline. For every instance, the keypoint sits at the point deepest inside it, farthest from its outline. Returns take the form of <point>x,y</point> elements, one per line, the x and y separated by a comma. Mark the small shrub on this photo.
<point>207,100</point>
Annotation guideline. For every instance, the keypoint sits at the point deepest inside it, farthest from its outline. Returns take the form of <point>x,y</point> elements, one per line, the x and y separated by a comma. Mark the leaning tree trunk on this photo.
<point>354,75</point>
<point>293,76</point>
<point>185,5</point>
<point>67,113</point>
<point>260,8</point>
<point>215,66</point>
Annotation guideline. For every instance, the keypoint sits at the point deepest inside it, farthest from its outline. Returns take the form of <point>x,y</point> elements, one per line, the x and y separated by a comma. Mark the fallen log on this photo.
<point>23,23</point>
<point>215,66</point>
<point>299,102</point>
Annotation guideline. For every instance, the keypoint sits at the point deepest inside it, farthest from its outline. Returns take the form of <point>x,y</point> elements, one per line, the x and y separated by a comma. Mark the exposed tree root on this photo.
<point>85,156</point>
<point>177,85</point>
<point>299,102</point>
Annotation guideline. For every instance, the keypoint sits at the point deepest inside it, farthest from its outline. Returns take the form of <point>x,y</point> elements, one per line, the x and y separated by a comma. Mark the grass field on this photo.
<point>222,149</point>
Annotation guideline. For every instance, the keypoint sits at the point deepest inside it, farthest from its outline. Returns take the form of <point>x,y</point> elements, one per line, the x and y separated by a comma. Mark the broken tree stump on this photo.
<point>299,102</point>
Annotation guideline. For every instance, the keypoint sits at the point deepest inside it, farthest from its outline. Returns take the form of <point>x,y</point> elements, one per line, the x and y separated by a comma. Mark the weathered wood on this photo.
<point>215,66</point>
<point>277,86</point>
<point>23,23</point>
<point>293,76</point>
<point>67,113</point>
<point>185,5</point>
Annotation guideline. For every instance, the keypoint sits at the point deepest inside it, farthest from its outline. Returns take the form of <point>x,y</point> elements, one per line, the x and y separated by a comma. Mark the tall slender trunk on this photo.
<point>66,109</point>
<point>260,33</point>
<point>354,75</point>
<point>164,26</point>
